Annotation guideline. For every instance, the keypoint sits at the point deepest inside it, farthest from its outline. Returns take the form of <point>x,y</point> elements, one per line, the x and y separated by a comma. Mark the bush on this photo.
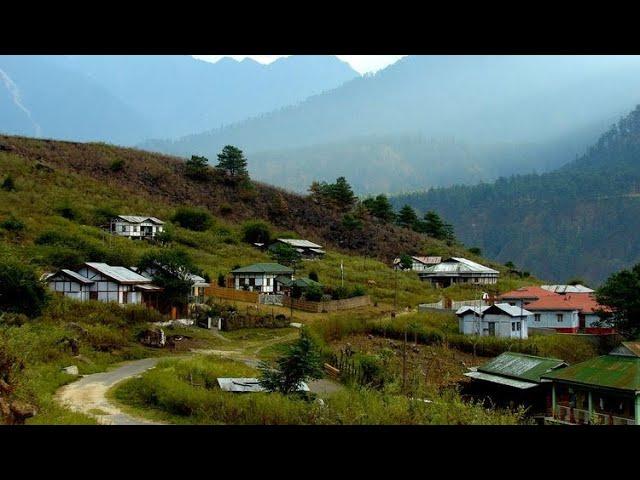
<point>12,224</point>
<point>313,276</point>
<point>117,165</point>
<point>103,215</point>
<point>67,211</point>
<point>196,219</point>
<point>222,282</point>
<point>256,232</point>
<point>313,293</point>
<point>8,184</point>
<point>20,290</point>
<point>358,291</point>
<point>226,209</point>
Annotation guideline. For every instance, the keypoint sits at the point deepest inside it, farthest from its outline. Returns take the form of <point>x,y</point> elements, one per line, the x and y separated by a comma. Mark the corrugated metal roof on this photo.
<point>501,380</point>
<point>629,349</point>
<point>520,366</point>
<point>318,250</point>
<point>581,302</point>
<point>140,219</point>
<point>263,268</point>
<point>299,282</point>
<point>567,288</point>
<point>119,274</point>
<point>458,265</point>
<point>510,310</point>
<point>76,276</point>
<point>149,288</point>
<point>247,385</point>
<point>294,242</point>
<point>526,293</point>
<point>609,371</point>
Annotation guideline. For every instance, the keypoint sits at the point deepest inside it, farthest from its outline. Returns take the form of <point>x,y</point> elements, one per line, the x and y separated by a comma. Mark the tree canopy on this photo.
<point>20,289</point>
<point>299,363</point>
<point>285,254</point>
<point>256,232</point>
<point>380,207</point>
<point>338,193</point>
<point>407,217</point>
<point>196,219</point>
<point>232,161</point>
<point>621,293</point>
<point>197,168</point>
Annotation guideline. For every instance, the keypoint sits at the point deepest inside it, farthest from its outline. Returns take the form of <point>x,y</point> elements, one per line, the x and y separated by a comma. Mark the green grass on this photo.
<point>168,392</point>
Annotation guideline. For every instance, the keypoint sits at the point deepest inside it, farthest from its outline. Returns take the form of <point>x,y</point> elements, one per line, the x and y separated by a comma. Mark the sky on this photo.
<point>361,63</point>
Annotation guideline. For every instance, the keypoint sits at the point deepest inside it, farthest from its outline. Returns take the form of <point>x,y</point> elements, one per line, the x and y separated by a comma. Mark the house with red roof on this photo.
<point>564,313</point>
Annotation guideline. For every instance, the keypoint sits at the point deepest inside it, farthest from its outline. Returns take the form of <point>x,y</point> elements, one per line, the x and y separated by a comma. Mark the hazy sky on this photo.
<point>360,63</point>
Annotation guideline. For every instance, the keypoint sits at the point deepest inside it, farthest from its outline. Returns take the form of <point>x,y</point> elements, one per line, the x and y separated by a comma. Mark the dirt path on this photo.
<point>88,395</point>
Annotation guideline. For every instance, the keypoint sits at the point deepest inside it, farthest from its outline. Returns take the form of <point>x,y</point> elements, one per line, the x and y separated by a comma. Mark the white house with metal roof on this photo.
<point>70,284</point>
<point>498,320</point>
<point>261,277</point>
<point>459,270</point>
<point>116,284</point>
<point>135,226</point>
<point>304,247</point>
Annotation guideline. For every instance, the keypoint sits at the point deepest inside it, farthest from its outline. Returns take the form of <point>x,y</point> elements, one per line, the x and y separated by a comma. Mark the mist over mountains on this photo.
<point>126,99</point>
<point>496,113</point>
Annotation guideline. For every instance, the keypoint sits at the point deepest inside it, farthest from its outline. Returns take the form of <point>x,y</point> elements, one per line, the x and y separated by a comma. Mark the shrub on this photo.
<point>20,289</point>
<point>313,276</point>
<point>197,168</point>
<point>66,210</point>
<point>105,339</point>
<point>222,280</point>
<point>340,293</point>
<point>8,184</point>
<point>12,224</point>
<point>226,209</point>
<point>117,165</point>
<point>256,232</point>
<point>103,215</point>
<point>313,293</point>
<point>358,291</point>
<point>196,219</point>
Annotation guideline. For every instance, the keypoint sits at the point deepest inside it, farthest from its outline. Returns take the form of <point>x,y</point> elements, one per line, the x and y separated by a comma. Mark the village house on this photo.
<point>456,270</point>
<point>498,320</point>
<point>198,283</point>
<point>563,313</point>
<point>305,248</point>
<point>514,379</point>
<point>106,283</point>
<point>134,226</point>
<point>261,277</point>
<point>418,264</point>
<point>70,284</point>
<point>602,391</point>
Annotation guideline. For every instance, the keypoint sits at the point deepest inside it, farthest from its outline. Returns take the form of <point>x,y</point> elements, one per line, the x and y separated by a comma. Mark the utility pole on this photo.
<point>404,362</point>
<point>342,273</point>
<point>395,295</point>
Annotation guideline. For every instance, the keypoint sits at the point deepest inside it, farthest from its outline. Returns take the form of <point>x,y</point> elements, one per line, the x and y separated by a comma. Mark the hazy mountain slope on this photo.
<point>404,163</point>
<point>182,95</point>
<point>582,219</point>
<point>505,98</point>
<point>39,98</point>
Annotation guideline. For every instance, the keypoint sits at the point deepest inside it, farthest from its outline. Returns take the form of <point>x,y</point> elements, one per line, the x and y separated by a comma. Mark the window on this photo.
<point>559,317</point>
<point>518,326</point>
<point>124,228</point>
<point>513,326</point>
<point>135,229</point>
<point>536,317</point>
<point>268,281</point>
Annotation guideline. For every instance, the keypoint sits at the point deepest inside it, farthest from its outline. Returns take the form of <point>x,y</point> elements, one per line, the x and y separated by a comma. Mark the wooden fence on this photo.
<point>231,294</point>
<point>345,369</point>
<point>329,305</point>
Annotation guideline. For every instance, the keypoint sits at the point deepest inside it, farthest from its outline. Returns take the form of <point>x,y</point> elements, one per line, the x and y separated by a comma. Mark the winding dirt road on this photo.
<point>88,394</point>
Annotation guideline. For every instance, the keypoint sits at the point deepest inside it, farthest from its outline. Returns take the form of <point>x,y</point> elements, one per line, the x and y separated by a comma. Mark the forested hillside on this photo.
<point>582,219</point>
<point>499,111</point>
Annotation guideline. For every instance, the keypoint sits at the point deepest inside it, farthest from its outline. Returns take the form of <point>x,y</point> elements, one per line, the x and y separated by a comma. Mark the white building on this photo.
<point>70,284</point>
<point>459,270</point>
<point>116,284</point>
<point>418,264</point>
<point>499,320</point>
<point>260,277</point>
<point>134,226</point>
<point>304,247</point>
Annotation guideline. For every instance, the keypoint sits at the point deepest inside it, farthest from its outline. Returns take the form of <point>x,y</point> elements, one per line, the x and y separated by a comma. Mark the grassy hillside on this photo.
<point>62,191</point>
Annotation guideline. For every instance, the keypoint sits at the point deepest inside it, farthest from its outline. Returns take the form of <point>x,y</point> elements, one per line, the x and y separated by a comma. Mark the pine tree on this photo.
<point>233,162</point>
<point>197,168</point>
<point>407,217</point>
<point>380,207</point>
<point>342,193</point>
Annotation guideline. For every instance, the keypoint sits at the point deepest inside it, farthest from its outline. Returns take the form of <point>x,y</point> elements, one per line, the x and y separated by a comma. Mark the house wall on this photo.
<point>108,290</point>
<point>469,324</point>
<point>548,319</point>
<point>71,289</point>
<point>133,230</point>
<point>264,282</point>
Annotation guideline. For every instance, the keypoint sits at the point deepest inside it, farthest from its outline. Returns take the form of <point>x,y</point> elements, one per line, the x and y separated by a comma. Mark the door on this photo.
<point>492,329</point>
<point>93,295</point>
<point>581,321</point>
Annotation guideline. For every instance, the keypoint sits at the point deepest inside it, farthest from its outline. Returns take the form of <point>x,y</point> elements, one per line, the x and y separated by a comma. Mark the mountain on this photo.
<point>582,219</point>
<point>128,98</point>
<point>39,98</point>
<point>484,101</point>
<point>182,95</point>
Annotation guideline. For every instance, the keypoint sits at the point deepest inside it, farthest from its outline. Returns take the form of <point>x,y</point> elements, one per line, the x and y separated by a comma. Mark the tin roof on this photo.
<point>140,219</point>
<point>567,288</point>
<point>628,349</point>
<point>70,274</point>
<point>510,382</point>
<point>299,282</point>
<point>119,274</point>
<point>294,242</point>
<point>532,292</point>
<point>521,367</point>
<point>247,385</point>
<point>582,302</point>
<point>510,310</point>
<point>608,371</point>
<point>264,268</point>
<point>458,265</point>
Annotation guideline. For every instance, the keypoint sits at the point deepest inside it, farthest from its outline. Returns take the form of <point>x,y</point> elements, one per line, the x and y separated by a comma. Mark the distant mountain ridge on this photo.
<point>477,100</point>
<point>583,218</point>
<point>130,98</point>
